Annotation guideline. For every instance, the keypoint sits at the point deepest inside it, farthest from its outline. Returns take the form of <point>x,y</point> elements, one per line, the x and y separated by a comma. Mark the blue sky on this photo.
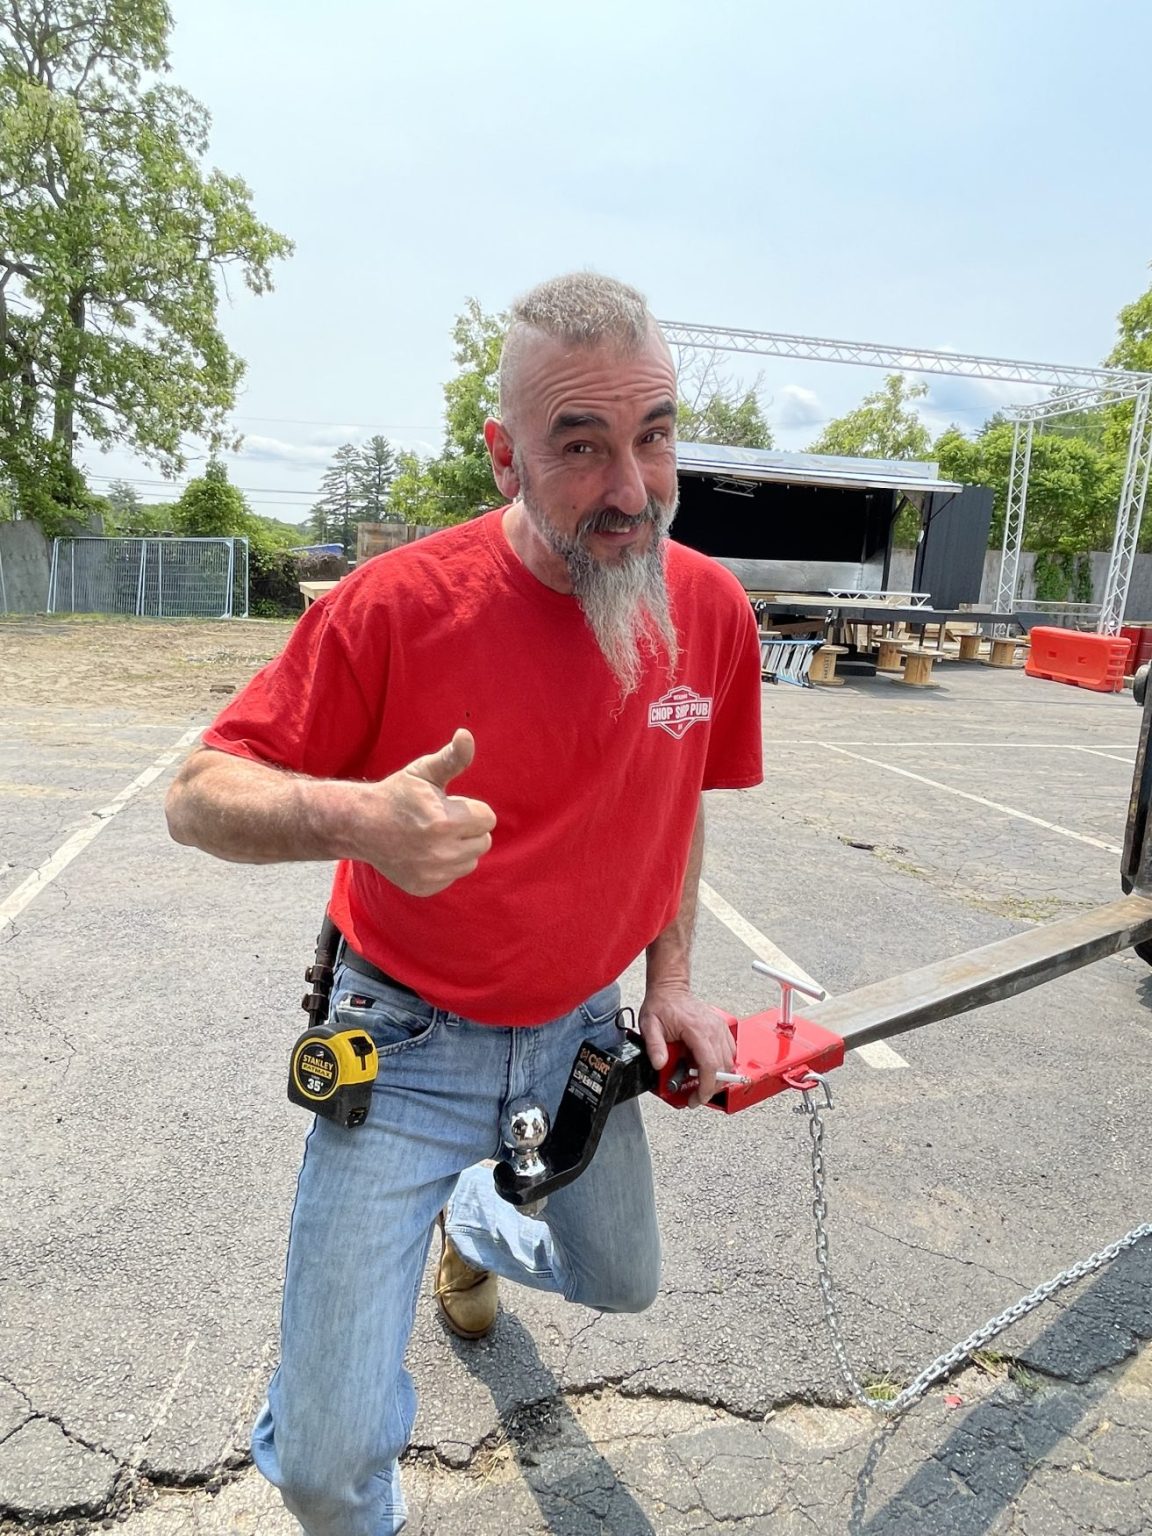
<point>972,176</point>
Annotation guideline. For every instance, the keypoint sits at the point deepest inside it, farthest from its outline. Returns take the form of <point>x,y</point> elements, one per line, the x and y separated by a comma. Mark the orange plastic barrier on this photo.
<point>1088,661</point>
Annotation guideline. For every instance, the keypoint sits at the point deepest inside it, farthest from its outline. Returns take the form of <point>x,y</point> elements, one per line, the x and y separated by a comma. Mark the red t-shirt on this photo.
<point>595,801</point>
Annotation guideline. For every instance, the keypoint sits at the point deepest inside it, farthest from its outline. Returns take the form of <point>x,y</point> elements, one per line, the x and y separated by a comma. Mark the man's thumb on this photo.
<point>440,768</point>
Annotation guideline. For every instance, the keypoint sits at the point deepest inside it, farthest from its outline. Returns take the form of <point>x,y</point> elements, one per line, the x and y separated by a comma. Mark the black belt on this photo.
<point>359,963</point>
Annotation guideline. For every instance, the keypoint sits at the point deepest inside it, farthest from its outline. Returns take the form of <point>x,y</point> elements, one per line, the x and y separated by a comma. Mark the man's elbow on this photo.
<point>176,814</point>
<point>182,802</point>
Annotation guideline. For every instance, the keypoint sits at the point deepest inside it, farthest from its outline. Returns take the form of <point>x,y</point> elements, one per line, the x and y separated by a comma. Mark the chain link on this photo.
<point>944,1364</point>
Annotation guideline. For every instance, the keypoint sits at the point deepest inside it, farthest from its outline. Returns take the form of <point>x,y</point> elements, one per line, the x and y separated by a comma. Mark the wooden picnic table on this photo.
<point>314,589</point>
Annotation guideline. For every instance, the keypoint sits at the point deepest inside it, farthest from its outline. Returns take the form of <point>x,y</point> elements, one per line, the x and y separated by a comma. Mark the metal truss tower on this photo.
<point>1014,516</point>
<point>1080,389</point>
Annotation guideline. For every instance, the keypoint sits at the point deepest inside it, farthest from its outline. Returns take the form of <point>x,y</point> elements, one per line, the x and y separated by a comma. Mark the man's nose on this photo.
<point>627,491</point>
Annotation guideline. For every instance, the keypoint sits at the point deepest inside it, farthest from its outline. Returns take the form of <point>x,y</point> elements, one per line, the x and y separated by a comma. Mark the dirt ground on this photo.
<point>166,669</point>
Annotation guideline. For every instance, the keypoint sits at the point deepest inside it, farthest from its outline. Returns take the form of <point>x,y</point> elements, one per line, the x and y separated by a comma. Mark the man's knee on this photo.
<point>633,1289</point>
<point>325,1505</point>
<point>636,1299</point>
<point>314,1502</point>
<point>333,1490</point>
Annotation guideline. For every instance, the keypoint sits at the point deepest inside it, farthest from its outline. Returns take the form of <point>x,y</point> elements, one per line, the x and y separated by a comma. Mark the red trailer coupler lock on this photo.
<point>773,1052</point>
<point>770,1049</point>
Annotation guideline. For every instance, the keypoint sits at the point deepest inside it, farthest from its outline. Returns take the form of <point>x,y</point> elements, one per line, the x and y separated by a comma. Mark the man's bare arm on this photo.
<point>406,826</point>
<point>670,1010</point>
<point>669,956</point>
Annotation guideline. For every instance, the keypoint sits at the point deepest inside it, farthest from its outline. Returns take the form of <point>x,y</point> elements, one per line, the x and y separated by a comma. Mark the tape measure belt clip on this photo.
<point>333,1064</point>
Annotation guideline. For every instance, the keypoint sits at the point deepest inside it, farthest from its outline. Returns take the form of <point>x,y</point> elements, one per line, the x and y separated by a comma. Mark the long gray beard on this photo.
<point>625,603</point>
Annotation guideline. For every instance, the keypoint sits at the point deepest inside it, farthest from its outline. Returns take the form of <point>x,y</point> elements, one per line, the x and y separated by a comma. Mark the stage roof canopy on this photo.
<point>750,464</point>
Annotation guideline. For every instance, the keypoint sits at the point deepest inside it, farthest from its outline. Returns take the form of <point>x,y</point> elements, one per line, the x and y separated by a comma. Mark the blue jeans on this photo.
<point>341,1405</point>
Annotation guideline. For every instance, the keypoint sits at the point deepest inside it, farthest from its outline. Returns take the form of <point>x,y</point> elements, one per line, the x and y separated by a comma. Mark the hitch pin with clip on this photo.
<point>722,1079</point>
<point>725,1078</point>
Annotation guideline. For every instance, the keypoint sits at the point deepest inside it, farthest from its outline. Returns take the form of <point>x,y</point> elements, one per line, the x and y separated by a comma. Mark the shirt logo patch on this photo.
<point>678,711</point>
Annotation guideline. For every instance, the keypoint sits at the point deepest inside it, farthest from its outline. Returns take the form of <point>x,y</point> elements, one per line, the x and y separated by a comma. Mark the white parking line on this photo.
<point>993,805</point>
<point>1096,752</point>
<point>876,1055</point>
<point>28,890</point>
<point>948,746</point>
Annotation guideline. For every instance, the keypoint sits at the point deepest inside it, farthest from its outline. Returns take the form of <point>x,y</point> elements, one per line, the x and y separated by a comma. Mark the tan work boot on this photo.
<point>467,1296</point>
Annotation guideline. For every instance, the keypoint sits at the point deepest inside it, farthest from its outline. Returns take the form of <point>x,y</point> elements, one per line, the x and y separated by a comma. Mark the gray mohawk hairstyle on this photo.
<point>583,308</point>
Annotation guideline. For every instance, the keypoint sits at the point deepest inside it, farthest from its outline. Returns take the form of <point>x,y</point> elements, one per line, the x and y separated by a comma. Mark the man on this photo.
<point>502,733</point>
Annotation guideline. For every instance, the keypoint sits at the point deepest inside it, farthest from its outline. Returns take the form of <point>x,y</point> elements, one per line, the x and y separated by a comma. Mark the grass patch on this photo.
<point>882,1389</point>
<point>1024,1380</point>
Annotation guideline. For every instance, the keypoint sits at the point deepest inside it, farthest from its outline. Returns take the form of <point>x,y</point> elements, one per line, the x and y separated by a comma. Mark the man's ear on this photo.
<point>500,451</point>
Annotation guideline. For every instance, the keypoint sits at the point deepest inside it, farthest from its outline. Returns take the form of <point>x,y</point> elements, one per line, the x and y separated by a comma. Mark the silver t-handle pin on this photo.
<point>788,985</point>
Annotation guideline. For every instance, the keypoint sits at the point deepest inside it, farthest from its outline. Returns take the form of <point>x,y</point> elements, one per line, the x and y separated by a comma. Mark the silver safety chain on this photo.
<point>944,1364</point>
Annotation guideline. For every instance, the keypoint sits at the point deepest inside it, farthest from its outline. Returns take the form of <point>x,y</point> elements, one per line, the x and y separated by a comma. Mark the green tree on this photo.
<point>1073,485</point>
<point>355,489</point>
<point>146,519</point>
<point>334,513</point>
<point>1133,347</point>
<point>112,239</point>
<point>715,409</point>
<point>123,500</point>
<point>883,426</point>
<point>414,496</point>
<point>374,472</point>
<point>316,524</point>
<point>457,483</point>
<point>211,507</point>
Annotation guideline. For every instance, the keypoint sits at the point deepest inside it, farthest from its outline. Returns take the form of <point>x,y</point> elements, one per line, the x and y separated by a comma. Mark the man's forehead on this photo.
<point>554,375</point>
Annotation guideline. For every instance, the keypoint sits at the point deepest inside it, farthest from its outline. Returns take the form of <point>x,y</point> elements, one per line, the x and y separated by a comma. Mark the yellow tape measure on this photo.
<point>332,1072</point>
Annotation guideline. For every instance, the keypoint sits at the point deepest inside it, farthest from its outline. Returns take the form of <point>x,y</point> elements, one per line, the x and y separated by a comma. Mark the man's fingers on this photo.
<point>713,1053</point>
<point>440,768</point>
<point>474,815</point>
<point>654,1042</point>
<point>705,1087</point>
<point>465,857</point>
<point>470,850</point>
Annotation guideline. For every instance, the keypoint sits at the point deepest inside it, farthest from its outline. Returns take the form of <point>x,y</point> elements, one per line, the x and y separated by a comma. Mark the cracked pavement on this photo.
<point>150,1160</point>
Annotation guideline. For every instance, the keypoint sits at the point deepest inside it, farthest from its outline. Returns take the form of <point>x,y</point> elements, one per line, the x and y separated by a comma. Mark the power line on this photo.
<point>351,426</point>
<point>167,485</point>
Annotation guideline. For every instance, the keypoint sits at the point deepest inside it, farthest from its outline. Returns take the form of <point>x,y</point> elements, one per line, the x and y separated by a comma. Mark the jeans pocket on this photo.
<point>395,1020</point>
<point>602,1007</point>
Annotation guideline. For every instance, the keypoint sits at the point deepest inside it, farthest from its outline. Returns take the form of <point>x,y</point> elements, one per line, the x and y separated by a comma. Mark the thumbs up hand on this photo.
<point>416,834</point>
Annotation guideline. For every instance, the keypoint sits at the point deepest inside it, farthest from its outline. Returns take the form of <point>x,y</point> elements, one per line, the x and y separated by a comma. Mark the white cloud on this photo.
<point>971,401</point>
<point>272,450</point>
<point>337,436</point>
<point>795,406</point>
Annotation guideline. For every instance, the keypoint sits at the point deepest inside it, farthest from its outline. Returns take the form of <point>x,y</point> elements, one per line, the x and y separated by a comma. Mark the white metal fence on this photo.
<point>151,578</point>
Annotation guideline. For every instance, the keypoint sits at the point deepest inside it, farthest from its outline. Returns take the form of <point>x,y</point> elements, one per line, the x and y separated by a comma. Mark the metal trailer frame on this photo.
<point>1082,389</point>
<point>996,971</point>
<point>776,1051</point>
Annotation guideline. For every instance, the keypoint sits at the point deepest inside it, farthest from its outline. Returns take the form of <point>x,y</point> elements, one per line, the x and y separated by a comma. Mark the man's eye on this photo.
<point>658,435</point>
<point>578,448</point>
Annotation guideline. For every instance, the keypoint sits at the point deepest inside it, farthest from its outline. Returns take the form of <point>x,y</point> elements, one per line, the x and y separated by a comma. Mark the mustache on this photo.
<point>612,520</point>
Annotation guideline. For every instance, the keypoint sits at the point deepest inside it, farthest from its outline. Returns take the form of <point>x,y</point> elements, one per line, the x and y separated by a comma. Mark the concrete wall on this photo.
<point>1139,605</point>
<point>25,558</point>
<point>1139,593</point>
<point>900,568</point>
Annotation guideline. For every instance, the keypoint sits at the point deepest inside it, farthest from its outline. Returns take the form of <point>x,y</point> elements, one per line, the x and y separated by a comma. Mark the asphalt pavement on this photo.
<point>150,1159</point>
